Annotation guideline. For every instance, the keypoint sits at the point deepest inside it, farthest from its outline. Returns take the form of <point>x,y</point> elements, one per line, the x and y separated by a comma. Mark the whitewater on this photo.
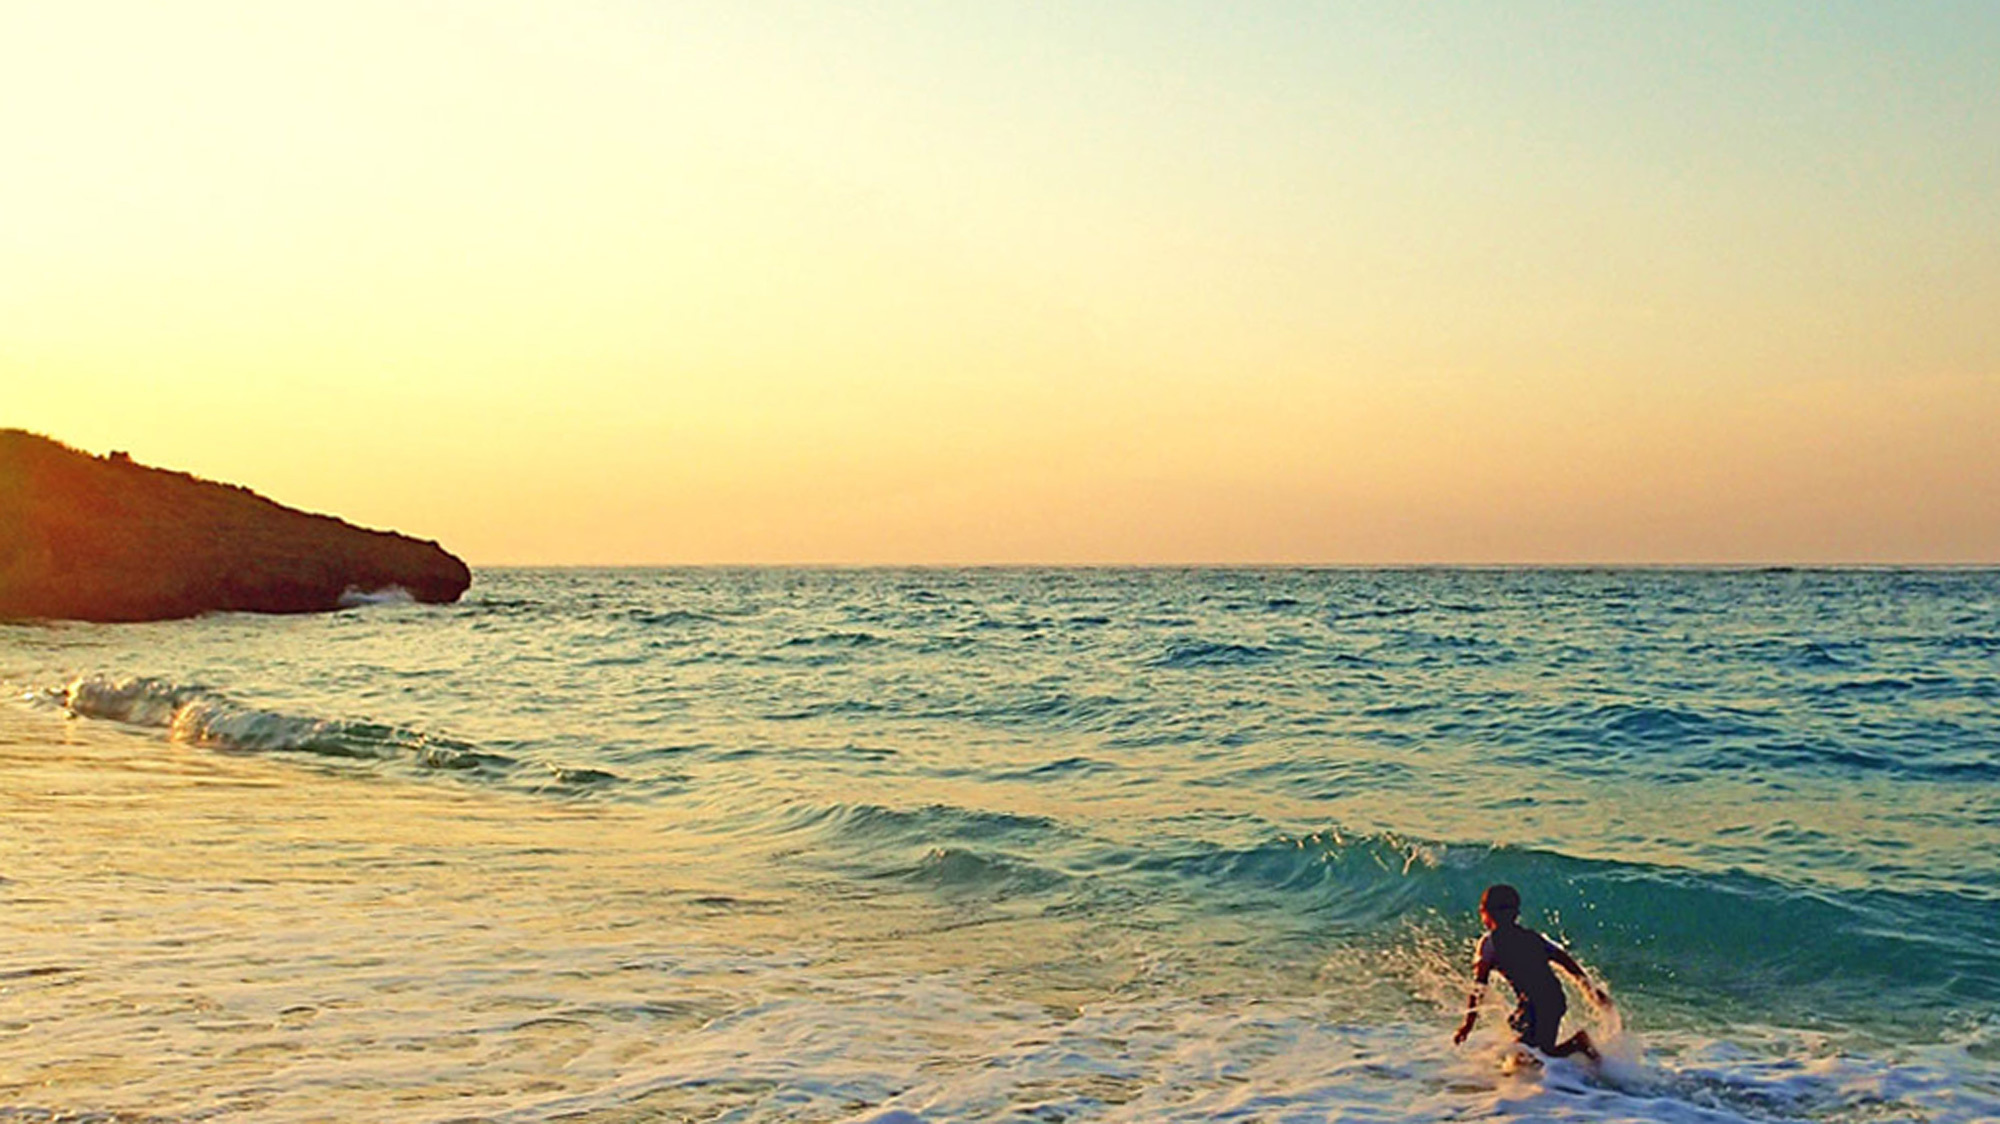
<point>1023,845</point>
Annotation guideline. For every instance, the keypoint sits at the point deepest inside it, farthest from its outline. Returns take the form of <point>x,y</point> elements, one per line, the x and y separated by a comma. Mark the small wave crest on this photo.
<point>136,701</point>
<point>978,871</point>
<point>1203,653</point>
<point>354,597</point>
<point>837,639</point>
<point>954,850</point>
<point>1357,882</point>
<point>876,823</point>
<point>197,715</point>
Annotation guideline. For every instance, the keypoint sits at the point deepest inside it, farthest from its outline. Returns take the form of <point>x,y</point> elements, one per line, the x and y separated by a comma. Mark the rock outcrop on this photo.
<point>105,539</point>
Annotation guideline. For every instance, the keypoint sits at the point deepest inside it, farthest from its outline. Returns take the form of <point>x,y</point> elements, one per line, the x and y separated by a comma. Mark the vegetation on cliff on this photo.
<point>105,539</point>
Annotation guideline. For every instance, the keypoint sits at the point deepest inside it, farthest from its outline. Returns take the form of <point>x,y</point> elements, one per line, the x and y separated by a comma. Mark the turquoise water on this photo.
<point>776,844</point>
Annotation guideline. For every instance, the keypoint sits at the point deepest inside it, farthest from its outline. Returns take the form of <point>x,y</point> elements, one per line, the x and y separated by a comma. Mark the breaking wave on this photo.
<point>353,598</point>
<point>193,714</point>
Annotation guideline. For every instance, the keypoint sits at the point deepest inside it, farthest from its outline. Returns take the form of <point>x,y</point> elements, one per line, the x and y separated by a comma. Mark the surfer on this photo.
<point>1523,956</point>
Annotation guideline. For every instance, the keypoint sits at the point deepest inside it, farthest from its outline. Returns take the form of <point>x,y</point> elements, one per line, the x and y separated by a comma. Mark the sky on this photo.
<point>1026,283</point>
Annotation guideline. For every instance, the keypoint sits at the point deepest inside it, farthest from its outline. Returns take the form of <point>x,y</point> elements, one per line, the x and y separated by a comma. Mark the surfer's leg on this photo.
<point>1523,1022</point>
<point>1536,1024</point>
<point>1575,1044</point>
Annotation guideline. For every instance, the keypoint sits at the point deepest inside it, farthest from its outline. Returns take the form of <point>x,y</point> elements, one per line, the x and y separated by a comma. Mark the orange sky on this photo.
<point>1114,282</point>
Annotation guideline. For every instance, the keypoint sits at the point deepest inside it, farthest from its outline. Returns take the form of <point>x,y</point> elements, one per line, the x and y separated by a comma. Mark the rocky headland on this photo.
<point>105,539</point>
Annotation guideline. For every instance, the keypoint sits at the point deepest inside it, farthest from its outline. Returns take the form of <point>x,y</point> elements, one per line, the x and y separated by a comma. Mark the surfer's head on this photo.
<point>1499,905</point>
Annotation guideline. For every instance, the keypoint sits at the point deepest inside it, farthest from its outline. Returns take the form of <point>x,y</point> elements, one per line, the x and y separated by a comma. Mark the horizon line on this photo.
<point>1772,567</point>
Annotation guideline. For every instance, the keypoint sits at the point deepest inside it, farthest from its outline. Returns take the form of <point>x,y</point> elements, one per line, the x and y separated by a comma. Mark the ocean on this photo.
<point>1007,845</point>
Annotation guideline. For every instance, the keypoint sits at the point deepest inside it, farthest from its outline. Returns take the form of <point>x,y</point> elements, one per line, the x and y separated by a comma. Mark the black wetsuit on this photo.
<point>1522,955</point>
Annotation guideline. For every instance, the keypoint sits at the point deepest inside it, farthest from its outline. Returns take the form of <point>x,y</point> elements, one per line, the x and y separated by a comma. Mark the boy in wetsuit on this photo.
<point>1523,956</point>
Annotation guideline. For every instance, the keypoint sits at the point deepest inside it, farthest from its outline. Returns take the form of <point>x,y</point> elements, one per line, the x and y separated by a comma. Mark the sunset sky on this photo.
<point>1010,282</point>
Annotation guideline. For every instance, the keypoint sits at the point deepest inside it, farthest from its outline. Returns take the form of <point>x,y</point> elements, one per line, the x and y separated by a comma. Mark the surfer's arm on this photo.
<point>1560,957</point>
<point>1482,970</point>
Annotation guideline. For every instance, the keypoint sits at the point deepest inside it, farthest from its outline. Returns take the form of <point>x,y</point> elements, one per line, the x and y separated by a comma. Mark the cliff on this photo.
<point>104,539</point>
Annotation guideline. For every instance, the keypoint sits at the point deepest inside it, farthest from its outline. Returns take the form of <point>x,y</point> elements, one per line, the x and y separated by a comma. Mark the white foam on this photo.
<point>918,1051</point>
<point>211,721</point>
<point>356,598</point>
<point>136,700</point>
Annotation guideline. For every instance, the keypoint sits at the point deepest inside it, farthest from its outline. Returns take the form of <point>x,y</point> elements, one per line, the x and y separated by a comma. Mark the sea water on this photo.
<point>1030,845</point>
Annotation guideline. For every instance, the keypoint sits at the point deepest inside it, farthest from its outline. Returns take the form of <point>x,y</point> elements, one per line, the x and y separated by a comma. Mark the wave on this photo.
<point>1060,769</point>
<point>968,871</point>
<point>1639,724</point>
<point>1727,941</point>
<point>942,847</point>
<point>354,597</point>
<point>837,639</point>
<point>876,823</point>
<point>1814,655</point>
<point>1915,686</point>
<point>1201,653</point>
<point>1743,937</point>
<point>670,618</point>
<point>197,715</point>
<point>1949,765</point>
<point>1391,611</point>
